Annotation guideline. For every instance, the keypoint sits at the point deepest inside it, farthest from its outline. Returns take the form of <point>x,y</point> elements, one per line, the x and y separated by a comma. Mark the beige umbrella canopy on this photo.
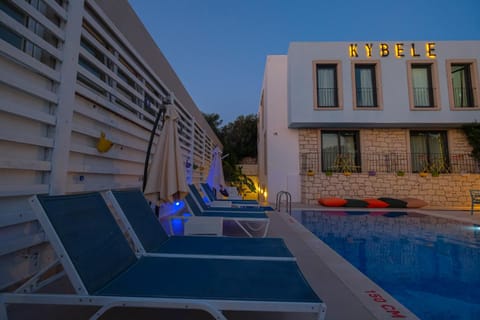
<point>166,176</point>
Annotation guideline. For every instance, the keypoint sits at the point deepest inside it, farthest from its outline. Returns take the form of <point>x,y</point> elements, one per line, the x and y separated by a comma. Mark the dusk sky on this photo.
<point>218,48</point>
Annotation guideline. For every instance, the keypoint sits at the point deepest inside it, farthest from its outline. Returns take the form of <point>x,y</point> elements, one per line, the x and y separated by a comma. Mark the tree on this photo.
<point>472,131</point>
<point>214,121</point>
<point>239,139</point>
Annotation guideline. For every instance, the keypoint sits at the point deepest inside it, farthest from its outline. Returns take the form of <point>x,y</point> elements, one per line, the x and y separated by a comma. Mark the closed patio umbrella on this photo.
<point>215,174</point>
<point>166,176</point>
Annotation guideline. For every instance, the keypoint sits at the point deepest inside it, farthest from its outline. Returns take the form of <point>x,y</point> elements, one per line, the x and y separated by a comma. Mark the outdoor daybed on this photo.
<point>383,202</point>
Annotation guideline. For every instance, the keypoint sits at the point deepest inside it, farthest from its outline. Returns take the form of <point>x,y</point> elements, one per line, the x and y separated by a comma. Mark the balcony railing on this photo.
<point>389,162</point>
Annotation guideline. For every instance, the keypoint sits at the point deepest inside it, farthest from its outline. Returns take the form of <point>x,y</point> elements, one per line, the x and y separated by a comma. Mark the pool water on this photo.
<point>430,265</point>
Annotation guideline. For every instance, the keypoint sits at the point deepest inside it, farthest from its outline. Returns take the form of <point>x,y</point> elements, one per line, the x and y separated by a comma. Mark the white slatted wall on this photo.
<point>66,75</point>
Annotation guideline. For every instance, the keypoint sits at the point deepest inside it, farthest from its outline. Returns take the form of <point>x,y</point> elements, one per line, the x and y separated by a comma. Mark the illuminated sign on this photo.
<point>399,50</point>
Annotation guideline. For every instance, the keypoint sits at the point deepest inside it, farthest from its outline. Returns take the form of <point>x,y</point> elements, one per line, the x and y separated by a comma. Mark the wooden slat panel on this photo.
<point>112,74</point>
<point>25,241</point>
<point>28,113</point>
<point>20,83</point>
<point>57,8</point>
<point>37,141</point>
<point>106,117</point>
<point>21,264</point>
<point>82,91</point>
<point>110,155</point>
<point>112,57</point>
<point>95,133</point>
<point>31,36</point>
<point>20,190</point>
<point>33,63</point>
<point>106,170</point>
<point>25,164</point>
<point>122,52</point>
<point>11,218</point>
<point>73,188</point>
<point>43,20</point>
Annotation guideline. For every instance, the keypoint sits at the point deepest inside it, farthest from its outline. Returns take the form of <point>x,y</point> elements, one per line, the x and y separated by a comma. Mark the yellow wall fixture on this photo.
<point>103,144</point>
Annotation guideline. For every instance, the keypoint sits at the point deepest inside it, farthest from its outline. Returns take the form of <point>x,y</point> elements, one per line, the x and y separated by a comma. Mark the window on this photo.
<point>327,88</point>
<point>366,90</point>
<point>462,81</point>
<point>429,150</point>
<point>422,85</point>
<point>340,151</point>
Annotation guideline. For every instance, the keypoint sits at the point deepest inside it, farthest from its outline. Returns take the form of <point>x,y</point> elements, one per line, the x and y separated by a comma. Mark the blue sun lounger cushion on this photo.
<point>243,219</point>
<point>198,197</point>
<point>248,203</point>
<point>135,212</point>
<point>104,270</point>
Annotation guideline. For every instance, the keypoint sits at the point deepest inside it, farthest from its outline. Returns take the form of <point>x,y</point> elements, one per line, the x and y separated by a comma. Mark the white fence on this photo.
<point>64,81</point>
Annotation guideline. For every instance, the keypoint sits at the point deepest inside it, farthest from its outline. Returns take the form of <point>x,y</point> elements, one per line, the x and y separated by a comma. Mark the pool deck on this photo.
<point>347,292</point>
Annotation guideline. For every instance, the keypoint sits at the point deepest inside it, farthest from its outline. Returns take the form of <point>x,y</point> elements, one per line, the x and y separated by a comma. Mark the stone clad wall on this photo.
<point>383,141</point>
<point>309,140</point>
<point>446,191</point>
<point>458,142</point>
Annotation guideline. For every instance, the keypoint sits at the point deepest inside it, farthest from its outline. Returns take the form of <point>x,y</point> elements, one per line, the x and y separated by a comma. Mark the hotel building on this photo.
<point>370,119</point>
<point>70,70</point>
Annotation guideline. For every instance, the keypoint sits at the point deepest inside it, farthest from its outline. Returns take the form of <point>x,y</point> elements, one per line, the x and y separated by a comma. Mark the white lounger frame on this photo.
<point>140,250</point>
<point>238,220</point>
<point>83,298</point>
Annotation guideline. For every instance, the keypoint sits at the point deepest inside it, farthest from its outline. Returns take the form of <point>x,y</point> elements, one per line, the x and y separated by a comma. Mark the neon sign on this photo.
<point>399,50</point>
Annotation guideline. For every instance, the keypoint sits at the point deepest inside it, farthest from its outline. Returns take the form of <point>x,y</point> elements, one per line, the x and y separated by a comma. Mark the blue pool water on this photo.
<point>430,265</point>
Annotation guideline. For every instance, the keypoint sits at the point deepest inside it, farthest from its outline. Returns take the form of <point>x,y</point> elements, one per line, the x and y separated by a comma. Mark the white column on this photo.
<point>66,98</point>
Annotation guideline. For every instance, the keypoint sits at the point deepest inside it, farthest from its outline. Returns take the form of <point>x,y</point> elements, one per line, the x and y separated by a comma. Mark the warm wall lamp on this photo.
<point>162,108</point>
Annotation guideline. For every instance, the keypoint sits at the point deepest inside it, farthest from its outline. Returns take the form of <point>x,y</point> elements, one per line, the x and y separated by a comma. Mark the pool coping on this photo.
<point>375,299</point>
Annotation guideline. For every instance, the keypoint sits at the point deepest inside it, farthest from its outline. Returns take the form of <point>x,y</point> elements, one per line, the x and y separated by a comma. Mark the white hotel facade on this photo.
<point>382,111</point>
<point>70,70</point>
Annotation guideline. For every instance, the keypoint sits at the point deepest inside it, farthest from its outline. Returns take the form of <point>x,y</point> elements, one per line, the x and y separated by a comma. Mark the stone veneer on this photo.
<point>447,190</point>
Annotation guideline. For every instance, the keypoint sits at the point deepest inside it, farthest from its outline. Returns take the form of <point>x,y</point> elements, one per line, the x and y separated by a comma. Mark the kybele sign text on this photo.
<point>399,50</point>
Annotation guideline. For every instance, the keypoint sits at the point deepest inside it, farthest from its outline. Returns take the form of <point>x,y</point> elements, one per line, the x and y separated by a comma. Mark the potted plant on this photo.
<point>436,167</point>
<point>423,174</point>
<point>328,173</point>
<point>310,172</point>
<point>344,164</point>
<point>435,173</point>
<point>400,173</point>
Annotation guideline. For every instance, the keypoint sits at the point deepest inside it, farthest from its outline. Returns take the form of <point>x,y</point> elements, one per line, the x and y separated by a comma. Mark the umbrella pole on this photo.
<point>160,114</point>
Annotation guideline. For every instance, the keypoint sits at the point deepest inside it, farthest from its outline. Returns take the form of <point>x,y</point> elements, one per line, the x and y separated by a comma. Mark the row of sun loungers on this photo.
<point>247,219</point>
<point>213,274</point>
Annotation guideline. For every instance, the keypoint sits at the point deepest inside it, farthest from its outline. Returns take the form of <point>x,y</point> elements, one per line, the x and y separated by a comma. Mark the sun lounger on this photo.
<point>201,202</point>
<point>244,219</point>
<point>149,237</point>
<point>207,190</point>
<point>211,200</point>
<point>105,272</point>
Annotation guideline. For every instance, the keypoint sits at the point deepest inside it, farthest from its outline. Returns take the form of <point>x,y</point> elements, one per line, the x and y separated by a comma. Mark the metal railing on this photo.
<point>388,162</point>
<point>288,201</point>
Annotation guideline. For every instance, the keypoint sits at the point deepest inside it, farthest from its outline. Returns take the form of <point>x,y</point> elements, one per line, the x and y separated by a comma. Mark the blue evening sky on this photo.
<point>218,47</point>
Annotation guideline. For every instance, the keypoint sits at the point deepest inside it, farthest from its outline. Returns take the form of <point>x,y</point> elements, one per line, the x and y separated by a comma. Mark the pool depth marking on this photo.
<point>376,297</point>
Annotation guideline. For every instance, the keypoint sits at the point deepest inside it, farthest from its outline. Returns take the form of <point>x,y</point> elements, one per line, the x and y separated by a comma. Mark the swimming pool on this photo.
<point>429,264</point>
